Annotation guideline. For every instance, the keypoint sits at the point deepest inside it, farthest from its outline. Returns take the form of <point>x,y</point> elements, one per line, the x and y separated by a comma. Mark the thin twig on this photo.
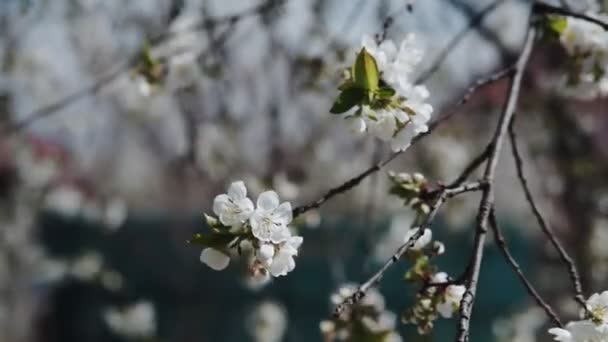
<point>543,8</point>
<point>487,199</point>
<point>547,230</point>
<point>443,195</point>
<point>472,166</point>
<point>474,22</point>
<point>351,183</point>
<point>502,245</point>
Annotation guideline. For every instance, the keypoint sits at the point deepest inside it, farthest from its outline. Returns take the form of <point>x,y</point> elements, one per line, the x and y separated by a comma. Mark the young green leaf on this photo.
<point>366,74</point>
<point>347,99</point>
<point>385,93</point>
<point>557,24</point>
<point>219,241</point>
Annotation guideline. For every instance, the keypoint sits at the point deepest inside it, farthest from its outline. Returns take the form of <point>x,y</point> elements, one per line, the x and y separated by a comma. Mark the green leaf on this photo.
<point>557,24</point>
<point>385,93</point>
<point>366,74</point>
<point>218,241</point>
<point>347,99</point>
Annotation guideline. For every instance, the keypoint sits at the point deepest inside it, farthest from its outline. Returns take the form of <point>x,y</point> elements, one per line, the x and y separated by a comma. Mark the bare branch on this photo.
<point>547,230</point>
<point>502,245</point>
<point>487,199</point>
<point>474,22</point>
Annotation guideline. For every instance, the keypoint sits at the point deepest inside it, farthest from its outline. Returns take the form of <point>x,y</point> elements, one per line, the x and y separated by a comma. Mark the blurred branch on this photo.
<point>474,23</point>
<point>547,230</point>
<point>55,108</point>
<point>502,245</point>
<point>487,199</point>
<point>543,8</point>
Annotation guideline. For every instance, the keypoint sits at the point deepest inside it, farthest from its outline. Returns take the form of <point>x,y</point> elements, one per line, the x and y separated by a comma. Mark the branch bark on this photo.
<point>487,199</point>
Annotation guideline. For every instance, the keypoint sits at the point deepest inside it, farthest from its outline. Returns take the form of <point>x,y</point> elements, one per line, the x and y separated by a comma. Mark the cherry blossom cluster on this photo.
<point>410,188</point>
<point>587,45</point>
<point>439,295</point>
<point>262,231</point>
<point>593,325</point>
<point>379,86</point>
<point>367,320</point>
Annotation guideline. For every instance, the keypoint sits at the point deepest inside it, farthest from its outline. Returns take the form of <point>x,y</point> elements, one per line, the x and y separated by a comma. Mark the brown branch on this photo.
<point>543,8</point>
<point>472,166</point>
<point>502,245</point>
<point>351,183</point>
<point>547,230</point>
<point>487,199</point>
<point>443,195</point>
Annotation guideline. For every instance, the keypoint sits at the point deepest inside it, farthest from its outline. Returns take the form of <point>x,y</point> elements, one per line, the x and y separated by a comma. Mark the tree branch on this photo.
<point>443,195</point>
<point>351,183</point>
<point>543,8</point>
<point>487,199</point>
<point>502,245</point>
<point>547,230</point>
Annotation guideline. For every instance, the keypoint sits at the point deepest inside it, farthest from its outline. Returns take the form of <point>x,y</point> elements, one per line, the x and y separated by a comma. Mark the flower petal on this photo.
<point>268,200</point>
<point>284,213</point>
<point>237,190</point>
<point>219,203</point>
<point>280,234</point>
<point>214,259</point>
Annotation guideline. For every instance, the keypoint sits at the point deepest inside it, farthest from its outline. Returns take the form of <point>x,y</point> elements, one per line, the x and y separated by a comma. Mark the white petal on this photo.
<point>219,203</point>
<point>237,190</point>
<point>259,226</point>
<point>403,139</point>
<point>214,259</point>
<point>561,334</point>
<point>283,213</point>
<point>280,234</point>
<point>268,200</point>
<point>265,254</point>
<point>356,124</point>
<point>296,241</point>
<point>445,309</point>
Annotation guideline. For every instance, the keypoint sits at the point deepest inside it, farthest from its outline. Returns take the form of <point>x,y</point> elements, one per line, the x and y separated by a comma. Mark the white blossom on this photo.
<point>424,239</point>
<point>597,305</point>
<point>269,220</point>
<point>267,322</point>
<point>137,320</point>
<point>407,117</point>
<point>587,44</point>
<point>233,208</point>
<point>451,300</point>
<point>283,261</point>
<point>581,331</point>
<point>214,259</point>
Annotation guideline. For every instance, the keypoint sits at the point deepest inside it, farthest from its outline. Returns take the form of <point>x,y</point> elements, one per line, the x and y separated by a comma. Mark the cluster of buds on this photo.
<point>412,188</point>
<point>439,296</point>
<point>262,231</point>
<point>366,320</point>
